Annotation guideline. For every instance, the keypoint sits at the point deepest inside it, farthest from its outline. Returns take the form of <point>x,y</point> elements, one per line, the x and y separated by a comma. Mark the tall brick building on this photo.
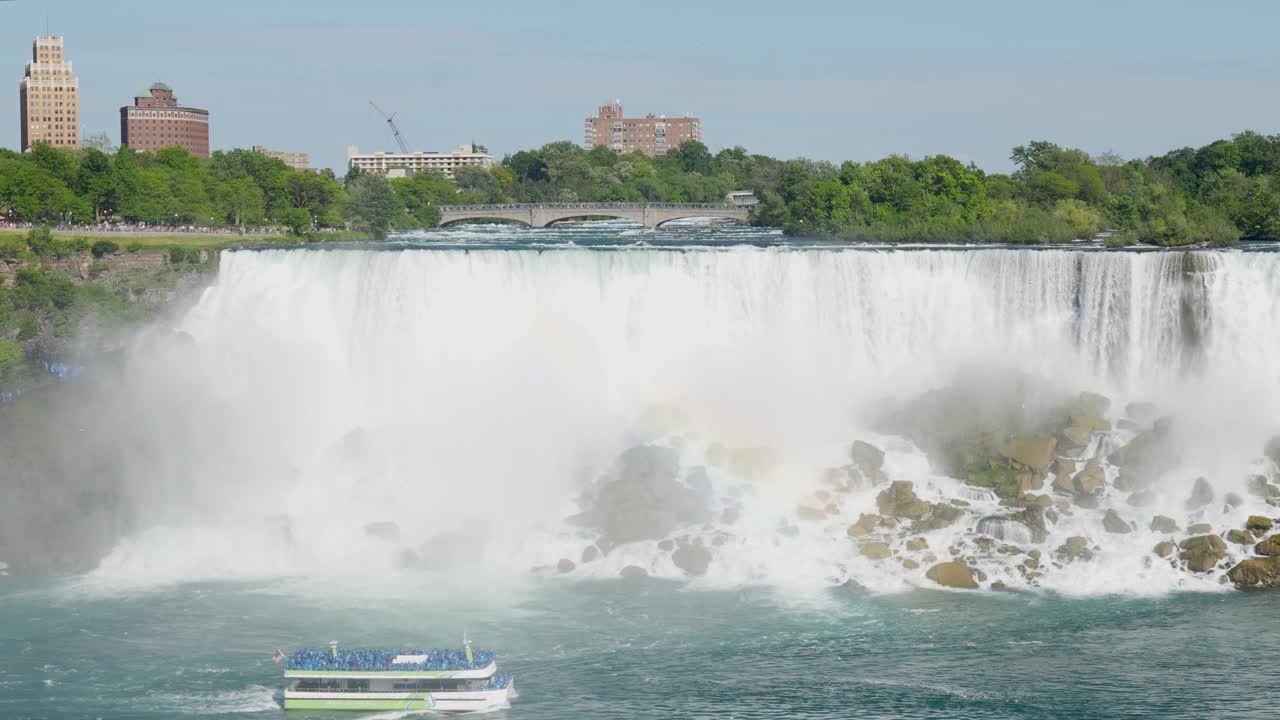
<point>49,97</point>
<point>651,134</point>
<point>156,121</point>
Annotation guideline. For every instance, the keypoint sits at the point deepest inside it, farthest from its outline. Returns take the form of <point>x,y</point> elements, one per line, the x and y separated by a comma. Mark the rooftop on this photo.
<point>367,659</point>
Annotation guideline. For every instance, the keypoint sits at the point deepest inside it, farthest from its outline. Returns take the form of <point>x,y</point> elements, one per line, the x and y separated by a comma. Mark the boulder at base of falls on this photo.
<point>643,497</point>
<point>1075,548</point>
<point>868,458</point>
<point>692,558</point>
<point>1164,549</point>
<point>1202,552</point>
<point>865,524</point>
<point>1035,451</point>
<point>384,530</point>
<point>1258,486</point>
<point>1201,494</point>
<point>874,550</point>
<point>590,553</point>
<point>940,515</point>
<point>1239,537</point>
<point>1146,457</point>
<point>899,500</point>
<point>1142,498</point>
<point>1269,547</point>
<point>1256,573</point>
<point>1258,523</point>
<point>1272,450</point>
<point>633,571</point>
<point>1164,524</point>
<point>809,514</point>
<point>917,544</point>
<point>1090,404</point>
<point>1199,528</point>
<point>1113,523</point>
<point>953,574</point>
<point>565,566</point>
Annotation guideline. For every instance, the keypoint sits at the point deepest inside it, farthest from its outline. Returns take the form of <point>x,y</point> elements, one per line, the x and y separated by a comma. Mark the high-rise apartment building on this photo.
<point>651,134</point>
<point>49,97</point>
<point>155,121</point>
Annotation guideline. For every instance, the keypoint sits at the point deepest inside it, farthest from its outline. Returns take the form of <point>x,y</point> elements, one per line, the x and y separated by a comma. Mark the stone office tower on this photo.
<point>49,97</point>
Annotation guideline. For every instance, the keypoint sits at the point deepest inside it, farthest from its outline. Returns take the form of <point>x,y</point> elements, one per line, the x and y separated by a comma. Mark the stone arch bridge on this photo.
<point>543,214</point>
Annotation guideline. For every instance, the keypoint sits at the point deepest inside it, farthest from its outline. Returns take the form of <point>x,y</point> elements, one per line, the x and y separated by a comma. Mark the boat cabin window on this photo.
<point>357,684</point>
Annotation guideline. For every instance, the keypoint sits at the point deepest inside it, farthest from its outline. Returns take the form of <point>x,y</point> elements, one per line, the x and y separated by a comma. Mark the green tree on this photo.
<point>372,204</point>
<point>298,220</point>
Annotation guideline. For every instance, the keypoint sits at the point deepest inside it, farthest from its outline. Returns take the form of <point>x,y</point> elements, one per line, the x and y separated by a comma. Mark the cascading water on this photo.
<point>382,411</point>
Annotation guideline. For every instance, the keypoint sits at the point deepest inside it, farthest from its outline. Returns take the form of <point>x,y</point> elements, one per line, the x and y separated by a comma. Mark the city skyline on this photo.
<point>865,82</point>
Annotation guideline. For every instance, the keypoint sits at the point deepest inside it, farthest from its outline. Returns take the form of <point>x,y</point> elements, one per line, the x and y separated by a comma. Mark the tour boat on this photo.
<point>381,679</point>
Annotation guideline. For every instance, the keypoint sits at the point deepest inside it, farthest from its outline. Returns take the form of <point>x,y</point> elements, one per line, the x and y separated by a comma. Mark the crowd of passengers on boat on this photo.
<point>376,659</point>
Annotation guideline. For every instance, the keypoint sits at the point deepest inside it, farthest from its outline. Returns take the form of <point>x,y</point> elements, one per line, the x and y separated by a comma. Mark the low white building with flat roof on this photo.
<point>396,164</point>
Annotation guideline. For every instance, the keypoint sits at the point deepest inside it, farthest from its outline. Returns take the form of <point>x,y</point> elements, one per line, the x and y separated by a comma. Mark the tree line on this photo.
<point>1220,193</point>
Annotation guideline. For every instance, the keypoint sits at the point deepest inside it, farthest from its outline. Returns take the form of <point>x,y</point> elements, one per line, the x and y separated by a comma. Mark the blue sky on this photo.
<point>825,80</point>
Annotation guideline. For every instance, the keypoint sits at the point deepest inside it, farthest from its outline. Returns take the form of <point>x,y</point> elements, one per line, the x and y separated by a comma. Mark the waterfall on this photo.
<point>467,393</point>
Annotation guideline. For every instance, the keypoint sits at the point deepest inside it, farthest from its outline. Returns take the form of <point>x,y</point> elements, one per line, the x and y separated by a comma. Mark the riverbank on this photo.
<point>197,240</point>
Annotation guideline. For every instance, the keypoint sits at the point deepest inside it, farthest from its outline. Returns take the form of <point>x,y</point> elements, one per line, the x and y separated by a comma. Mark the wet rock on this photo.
<point>910,564</point>
<point>1075,548</point>
<point>864,525</point>
<point>1141,412</point>
<point>1146,457</point>
<point>565,566</point>
<point>809,514</point>
<point>1203,552</point>
<point>984,543</point>
<point>692,558</point>
<point>852,585</point>
<point>1239,537</point>
<point>1256,573</point>
<point>899,500</point>
<point>940,516</point>
<point>1199,528</point>
<point>1258,523</point>
<point>1088,502</point>
<point>1142,498</point>
<point>1258,486</point>
<point>1164,549</point>
<point>633,571</point>
<point>384,530</point>
<point>643,497</point>
<point>1090,479</point>
<point>1269,547</point>
<point>1064,467</point>
<point>953,574</point>
<point>867,457</point>
<point>1232,500</point>
<point>1090,404</point>
<point>1164,524</point>
<point>730,515</point>
<point>1272,450</point>
<point>1113,523</point>
<point>667,545</point>
<point>589,554</point>
<point>1201,494</point>
<point>875,550</point>
<point>917,544</point>
<point>1036,452</point>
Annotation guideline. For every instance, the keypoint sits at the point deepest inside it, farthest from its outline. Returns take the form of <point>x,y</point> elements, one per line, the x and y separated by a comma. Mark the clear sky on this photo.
<point>829,80</point>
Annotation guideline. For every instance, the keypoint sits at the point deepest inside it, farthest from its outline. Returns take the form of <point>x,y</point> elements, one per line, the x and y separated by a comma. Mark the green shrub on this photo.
<point>104,247</point>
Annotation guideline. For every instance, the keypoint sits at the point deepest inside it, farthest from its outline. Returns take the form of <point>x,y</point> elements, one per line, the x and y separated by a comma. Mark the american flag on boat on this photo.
<point>278,657</point>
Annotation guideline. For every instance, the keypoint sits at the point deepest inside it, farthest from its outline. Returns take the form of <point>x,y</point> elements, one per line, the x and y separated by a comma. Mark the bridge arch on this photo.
<point>544,214</point>
<point>734,220</point>
<point>449,222</point>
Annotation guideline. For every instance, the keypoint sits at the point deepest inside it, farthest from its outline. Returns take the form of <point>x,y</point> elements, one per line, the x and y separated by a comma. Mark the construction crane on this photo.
<point>391,120</point>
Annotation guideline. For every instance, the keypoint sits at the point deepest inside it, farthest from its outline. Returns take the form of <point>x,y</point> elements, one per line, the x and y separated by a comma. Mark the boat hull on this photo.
<point>478,701</point>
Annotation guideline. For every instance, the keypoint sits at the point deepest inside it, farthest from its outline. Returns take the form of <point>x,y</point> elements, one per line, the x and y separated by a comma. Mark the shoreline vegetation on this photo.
<point>1213,196</point>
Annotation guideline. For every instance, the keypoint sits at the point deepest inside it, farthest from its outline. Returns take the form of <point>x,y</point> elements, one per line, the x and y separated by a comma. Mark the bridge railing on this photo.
<point>591,206</point>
